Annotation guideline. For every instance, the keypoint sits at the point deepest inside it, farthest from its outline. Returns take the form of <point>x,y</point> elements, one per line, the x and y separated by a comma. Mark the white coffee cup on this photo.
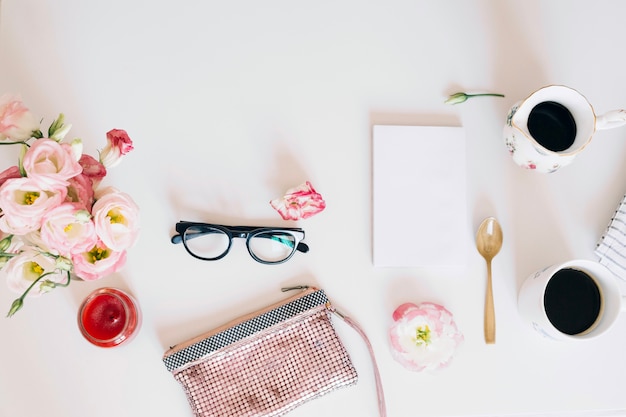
<point>559,301</point>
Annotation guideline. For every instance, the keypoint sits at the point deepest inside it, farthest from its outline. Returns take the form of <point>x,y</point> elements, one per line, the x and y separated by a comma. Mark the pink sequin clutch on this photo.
<point>266,363</point>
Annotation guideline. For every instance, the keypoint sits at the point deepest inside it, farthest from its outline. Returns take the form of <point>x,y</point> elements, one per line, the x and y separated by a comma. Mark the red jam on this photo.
<point>108,317</point>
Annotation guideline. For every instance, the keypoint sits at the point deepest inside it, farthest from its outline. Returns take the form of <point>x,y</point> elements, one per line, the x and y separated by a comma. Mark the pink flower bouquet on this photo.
<point>423,337</point>
<point>56,223</point>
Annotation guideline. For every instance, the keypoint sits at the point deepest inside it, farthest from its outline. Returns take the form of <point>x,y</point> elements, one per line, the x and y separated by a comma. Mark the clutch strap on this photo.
<point>379,386</point>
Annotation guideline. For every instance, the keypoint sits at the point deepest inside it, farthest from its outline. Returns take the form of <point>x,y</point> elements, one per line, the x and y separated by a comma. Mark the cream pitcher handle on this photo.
<point>614,118</point>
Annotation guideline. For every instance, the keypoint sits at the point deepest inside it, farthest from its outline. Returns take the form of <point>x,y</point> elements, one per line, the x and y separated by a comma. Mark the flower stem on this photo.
<point>19,302</point>
<point>485,94</point>
<point>21,142</point>
<point>461,97</point>
<point>69,279</point>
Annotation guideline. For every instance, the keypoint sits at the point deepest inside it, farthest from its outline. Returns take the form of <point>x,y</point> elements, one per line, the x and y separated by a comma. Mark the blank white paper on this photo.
<point>419,196</point>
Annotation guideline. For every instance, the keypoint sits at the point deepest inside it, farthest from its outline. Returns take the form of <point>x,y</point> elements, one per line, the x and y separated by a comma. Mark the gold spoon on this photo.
<point>488,243</point>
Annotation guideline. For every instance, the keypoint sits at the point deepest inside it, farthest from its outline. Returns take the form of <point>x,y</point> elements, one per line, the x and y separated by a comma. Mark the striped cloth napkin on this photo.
<point>611,249</point>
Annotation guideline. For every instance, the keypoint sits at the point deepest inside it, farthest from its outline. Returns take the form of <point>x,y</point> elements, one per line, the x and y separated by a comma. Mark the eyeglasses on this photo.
<point>267,245</point>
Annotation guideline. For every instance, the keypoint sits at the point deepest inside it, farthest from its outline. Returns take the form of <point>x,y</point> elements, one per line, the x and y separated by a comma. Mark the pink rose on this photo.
<point>118,145</point>
<point>423,337</point>
<point>16,121</point>
<point>11,172</point>
<point>68,229</point>
<point>24,202</point>
<point>116,216</point>
<point>50,162</point>
<point>300,202</point>
<point>93,169</point>
<point>98,262</point>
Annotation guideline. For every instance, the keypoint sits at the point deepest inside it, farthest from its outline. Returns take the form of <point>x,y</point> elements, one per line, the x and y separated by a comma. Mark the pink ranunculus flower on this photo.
<point>98,262</point>
<point>92,169</point>
<point>118,145</point>
<point>27,266</point>
<point>50,162</point>
<point>116,217</point>
<point>300,202</point>
<point>68,229</point>
<point>423,337</point>
<point>24,202</point>
<point>11,172</point>
<point>17,123</point>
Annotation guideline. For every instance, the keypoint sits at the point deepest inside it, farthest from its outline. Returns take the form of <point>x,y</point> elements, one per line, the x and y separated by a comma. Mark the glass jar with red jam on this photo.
<point>109,317</point>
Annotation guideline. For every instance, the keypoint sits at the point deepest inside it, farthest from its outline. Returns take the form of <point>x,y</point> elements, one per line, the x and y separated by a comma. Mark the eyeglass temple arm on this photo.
<point>302,247</point>
<point>178,238</point>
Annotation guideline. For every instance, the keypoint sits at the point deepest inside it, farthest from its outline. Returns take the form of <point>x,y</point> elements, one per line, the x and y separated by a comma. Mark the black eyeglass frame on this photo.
<point>244,232</point>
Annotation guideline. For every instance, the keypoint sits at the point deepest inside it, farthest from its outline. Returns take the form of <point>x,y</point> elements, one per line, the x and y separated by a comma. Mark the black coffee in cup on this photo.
<point>572,301</point>
<point>552,125</point>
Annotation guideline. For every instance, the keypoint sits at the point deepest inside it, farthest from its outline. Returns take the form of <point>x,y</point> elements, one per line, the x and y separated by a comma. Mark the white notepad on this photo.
<point>419,196</point>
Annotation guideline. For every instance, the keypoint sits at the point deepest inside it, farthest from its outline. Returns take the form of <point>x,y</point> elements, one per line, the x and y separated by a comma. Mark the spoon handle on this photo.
<point>490,314</point>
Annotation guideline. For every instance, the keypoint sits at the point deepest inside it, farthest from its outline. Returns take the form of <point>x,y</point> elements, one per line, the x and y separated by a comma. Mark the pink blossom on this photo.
<point>116,217</point>
<point>24,202</point>
<point>423,337</point>
<point>29,265</point>
<point>98,262</point>
<point>118,145</point>
<point>80,190</point>
<point>50,162</point>
<point>11,172</point>
<point>68,229</point>
<point>16,121</point>
<point>300,202</point>
<point>93,169</point>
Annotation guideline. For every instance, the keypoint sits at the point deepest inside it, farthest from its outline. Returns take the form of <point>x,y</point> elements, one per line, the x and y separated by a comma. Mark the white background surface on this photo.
<point>231,103</point>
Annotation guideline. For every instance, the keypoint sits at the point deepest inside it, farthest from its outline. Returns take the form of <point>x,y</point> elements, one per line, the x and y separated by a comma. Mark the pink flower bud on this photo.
<point>118,145</point>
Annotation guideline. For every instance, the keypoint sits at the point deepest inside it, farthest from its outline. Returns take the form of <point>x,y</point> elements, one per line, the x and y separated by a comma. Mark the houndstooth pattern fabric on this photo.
<point>269,366</point>
<point>244,329</point>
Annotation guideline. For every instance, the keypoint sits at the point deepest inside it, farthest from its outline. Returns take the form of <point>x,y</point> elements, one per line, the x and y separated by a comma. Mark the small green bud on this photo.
<point>17,304</point>
<point>47,286</point>
<point>56,125</point>
<point>457,98</point>
<point>77,148</point>
<point>60,133</point>
<point>5,243</point>
<point>3,261</point>
<point>83,216</point>
<point>21,160</point>
<point>63,264</point>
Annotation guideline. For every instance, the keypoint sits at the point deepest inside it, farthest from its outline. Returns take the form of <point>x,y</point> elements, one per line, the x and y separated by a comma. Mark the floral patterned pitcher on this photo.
<point>550,127</point>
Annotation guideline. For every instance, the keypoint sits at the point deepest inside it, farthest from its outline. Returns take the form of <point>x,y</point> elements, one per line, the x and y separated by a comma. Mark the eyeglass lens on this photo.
<point>267,246</point>
<point>272,246</point>
<point>206,242</point>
